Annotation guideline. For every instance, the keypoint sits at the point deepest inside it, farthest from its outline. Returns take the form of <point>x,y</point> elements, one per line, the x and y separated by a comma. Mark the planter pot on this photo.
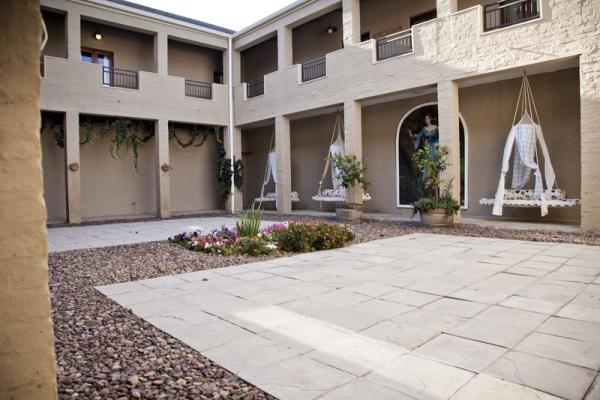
<point>348,214</point>
<point>436,217</point>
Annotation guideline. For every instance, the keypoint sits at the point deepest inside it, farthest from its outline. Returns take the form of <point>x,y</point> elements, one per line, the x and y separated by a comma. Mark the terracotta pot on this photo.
<point>349,214</point>
<point>437,217</point>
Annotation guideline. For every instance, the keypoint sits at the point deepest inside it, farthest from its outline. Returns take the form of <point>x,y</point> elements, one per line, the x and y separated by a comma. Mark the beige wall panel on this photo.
<point>255,148</point>
<point>194,62</point>
<point>132,50</point>
<point>110,187</point>
<point>311,40</point>
<point>53,165</point>
<point>384,15</point>
<point>57,43</point>
<point>259,60</point>
<point>194,185</point>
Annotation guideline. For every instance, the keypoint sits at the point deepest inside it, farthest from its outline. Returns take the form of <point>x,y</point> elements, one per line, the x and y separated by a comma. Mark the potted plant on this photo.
<point>351,173</point>
<point>437,207</point>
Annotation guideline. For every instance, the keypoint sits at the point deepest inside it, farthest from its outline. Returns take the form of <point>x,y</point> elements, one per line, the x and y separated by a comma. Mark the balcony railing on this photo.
<point>510,12</point>
<point>314,69</point>
<point>42,66</point>
<point>394,45</point>
<point>201,90</point>
<point>255,87</point>
<point>119,78</point>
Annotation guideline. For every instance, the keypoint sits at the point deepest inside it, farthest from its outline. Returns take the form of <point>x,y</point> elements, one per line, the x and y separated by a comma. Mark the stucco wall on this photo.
<point>311,40</point>
<point>55,26</point>
<point>259,60</point>
<point>383,15</point>
<point>110,187</point>
<point>132,50</point>
<point>255,148</point>
<point>27,365</point>
<point>194,62</point>
<point>53,165</point>
<point>194,185</point>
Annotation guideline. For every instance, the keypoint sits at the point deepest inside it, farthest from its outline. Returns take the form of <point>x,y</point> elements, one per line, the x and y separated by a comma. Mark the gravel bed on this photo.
<point>105,352</point>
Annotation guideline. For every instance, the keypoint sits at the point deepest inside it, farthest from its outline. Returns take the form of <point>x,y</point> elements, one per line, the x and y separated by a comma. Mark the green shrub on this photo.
<point>297,237</point>
<point>331,236</point>
<point>446,203</point>
<point>256,246</point>
<point>248,225</point>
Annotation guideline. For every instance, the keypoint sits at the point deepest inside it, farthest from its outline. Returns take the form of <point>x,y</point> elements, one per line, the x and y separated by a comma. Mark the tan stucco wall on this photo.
<point>383,15</point>
<point>259,60</point>
<point>55,25</point>
<point>310,40</point>
<point>27,365</point>
<point>255,147</point>
<point>194,62</point>
<point>194,185</point>
<point>53,164</point>
<point>110,187</point>
<point>132,50</point>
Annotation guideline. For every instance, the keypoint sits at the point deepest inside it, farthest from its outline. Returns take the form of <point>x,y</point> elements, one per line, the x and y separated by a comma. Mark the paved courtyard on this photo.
<point>414,317</point>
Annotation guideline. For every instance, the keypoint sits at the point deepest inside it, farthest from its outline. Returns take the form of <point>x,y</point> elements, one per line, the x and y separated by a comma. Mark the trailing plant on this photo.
<point>225,174</point>
<point>351,170</point>
<point>53,122</point>
<point>248,224</point>
<point>130,133</point>
<point>197,134</point>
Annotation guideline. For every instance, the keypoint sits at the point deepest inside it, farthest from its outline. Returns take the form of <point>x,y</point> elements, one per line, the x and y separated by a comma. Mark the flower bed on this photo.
<point>301,236</point>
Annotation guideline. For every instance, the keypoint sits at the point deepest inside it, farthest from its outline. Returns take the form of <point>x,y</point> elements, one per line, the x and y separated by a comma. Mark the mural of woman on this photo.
<point>428,136</point>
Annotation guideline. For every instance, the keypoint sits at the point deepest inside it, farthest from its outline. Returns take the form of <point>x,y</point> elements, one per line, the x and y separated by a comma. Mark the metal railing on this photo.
<point>119,78</point>
<point>314,69</point>
<point>198,89</point>
<point>42,66</point>
<point>509,12</point>
<point>394,45</point>
<point>255,87</point>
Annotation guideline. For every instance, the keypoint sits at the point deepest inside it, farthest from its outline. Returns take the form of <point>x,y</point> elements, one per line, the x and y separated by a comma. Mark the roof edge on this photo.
<point>273,17</point>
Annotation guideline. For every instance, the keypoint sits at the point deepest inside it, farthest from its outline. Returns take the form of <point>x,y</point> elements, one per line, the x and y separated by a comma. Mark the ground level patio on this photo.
<point>413,315</point>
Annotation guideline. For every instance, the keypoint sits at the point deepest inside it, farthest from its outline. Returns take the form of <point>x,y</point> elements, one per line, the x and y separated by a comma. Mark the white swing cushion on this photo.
<point>272,197</point>
<point>527,198</point>
<point>336,196</point>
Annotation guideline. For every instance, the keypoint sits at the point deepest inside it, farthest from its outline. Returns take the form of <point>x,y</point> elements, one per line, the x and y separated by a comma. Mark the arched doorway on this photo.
<point>409,185</point>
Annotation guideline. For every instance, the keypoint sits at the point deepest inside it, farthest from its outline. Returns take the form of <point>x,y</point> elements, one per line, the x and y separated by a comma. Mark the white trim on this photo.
<point>466,136</point>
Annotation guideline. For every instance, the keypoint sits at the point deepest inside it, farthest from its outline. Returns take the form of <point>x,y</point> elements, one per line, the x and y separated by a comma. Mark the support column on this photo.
<point>353,135</point>
<point>284,164</point>
<point>73,167</point>
<point>449,126</point>
<point>163,187</point>
<point>589,78</point>
<point>351,22</point>
<point>161,50</point>
<point>235,201</point>
<point>237,67</point>
<point>73,33</point>
<point>446,7</point>
<point>284,48</point>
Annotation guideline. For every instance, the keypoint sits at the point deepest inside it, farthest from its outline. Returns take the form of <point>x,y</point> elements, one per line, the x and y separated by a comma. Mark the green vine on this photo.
<point>131,133</point>
<point>225,174</point>
<point>197,134</point>
<point>54,123</point>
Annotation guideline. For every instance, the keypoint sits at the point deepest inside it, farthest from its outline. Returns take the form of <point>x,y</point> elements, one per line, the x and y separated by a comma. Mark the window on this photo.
<point>365,36</point>
<point>417,19</point>
<point>104,58</point>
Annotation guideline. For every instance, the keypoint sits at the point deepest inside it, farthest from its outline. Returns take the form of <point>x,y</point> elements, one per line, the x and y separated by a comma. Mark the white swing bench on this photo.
<point>338,193</point>
<point>523,140</point>
<point>271,173</point>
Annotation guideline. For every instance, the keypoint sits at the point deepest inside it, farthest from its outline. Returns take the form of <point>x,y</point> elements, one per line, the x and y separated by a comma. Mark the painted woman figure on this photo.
<point>429,135</point>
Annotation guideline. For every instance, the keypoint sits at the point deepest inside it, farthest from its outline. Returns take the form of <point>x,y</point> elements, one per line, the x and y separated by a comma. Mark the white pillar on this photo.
<point>351,21</point>
<point>284,164</point>
<point>446,7</point>
<point>161,53</point>
<point>284,48</point>
<point>589,81</point>
<point>353,145</point>
<point>72,168</point>
<point>236,67</point>
<point>235,201</point>
<point>73,31</point>
<point>163,188</point>
<point>449,126</point>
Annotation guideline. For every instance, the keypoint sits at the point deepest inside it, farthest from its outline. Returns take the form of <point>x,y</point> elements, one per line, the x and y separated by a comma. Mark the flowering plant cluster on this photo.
<point>288,237</point>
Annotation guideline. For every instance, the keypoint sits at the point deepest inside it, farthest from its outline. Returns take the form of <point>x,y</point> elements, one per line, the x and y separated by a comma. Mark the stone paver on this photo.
<point>414,317</point>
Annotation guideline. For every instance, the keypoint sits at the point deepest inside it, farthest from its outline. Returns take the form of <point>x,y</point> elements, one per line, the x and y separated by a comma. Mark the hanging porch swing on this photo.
<point>523,141</point>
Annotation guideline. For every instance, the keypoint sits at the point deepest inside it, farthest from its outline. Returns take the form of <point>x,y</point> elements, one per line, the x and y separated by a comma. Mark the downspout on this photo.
<point>231,123</point>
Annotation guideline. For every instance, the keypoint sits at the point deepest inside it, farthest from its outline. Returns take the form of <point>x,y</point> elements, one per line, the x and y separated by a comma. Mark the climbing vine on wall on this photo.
<point>197,134</point>
<point>225,174</point>
<point>131,133</point>
<point>53,123</point>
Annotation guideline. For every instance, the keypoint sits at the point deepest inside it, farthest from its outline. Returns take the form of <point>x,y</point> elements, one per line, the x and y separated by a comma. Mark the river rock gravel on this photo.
<point>103,351</point>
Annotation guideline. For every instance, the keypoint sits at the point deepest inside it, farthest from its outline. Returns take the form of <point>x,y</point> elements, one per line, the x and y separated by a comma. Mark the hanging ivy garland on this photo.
<point>197,133</point>
<point>225,175</point>
<point>131,133</point>
<point>54,123</point>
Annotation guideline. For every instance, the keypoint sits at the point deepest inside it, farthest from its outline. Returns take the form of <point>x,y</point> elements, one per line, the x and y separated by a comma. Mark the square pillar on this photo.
<point>163,188</point>
<point>284,48</point>
<point>236,67</point>
<point>449,126</point>
<point>161,51</point>
<point>351,22</point>
<point>353,145</point>
<point>72,167</point>
<point>284,164</point>
<point>235,201</point>
<point>446,7</point>
<point>589,81</point>
<point>73,34</point>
